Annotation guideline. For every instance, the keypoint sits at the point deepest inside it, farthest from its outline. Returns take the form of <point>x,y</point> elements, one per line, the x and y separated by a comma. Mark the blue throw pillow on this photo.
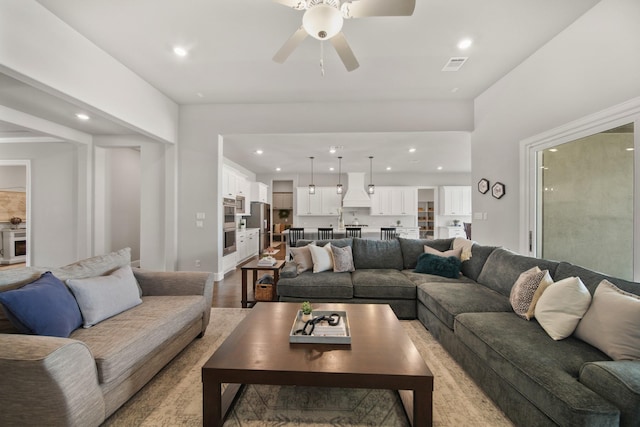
<point>42,307</point>
<point>440,266</point>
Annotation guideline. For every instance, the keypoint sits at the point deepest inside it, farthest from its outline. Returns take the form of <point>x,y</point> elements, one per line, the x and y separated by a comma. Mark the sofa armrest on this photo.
<point>48,381</point>
<point>174,283</point>
<point>289,271</point>
<point>618,382</point>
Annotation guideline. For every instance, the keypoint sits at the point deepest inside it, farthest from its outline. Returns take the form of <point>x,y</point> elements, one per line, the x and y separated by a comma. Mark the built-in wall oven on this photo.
<point>229,226</point>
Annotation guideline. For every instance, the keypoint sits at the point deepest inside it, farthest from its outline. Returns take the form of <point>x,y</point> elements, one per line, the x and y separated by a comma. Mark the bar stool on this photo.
<point>353,231</point>
<point>295,234</point>
<point>387,233</point>
<point>325,233</point>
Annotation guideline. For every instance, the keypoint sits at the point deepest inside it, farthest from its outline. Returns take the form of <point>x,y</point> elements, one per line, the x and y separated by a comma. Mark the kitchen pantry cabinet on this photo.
<point>394,201</point>
<point>247,242</point>
<point>282,200</point>
<point>455,200</point>
<point>325,202</point>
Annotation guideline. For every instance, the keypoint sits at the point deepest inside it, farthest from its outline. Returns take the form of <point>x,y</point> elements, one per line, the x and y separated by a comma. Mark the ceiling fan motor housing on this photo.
<point>322,20</point>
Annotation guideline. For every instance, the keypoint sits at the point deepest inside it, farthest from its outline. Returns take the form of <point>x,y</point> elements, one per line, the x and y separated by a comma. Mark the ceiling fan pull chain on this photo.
<point>322,58</point>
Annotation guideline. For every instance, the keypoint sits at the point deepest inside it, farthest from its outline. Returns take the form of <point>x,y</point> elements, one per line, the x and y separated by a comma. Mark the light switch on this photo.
<point>200,224</point>
<point>477,215</point>
<point>200,215</point>
<point>484,215</point>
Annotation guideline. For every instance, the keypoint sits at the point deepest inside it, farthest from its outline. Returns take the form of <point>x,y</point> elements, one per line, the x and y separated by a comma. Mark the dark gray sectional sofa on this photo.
<point>535,380</point>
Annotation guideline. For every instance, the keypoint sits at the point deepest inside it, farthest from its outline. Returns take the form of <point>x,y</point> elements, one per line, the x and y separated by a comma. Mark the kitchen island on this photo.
<point>367,233</point>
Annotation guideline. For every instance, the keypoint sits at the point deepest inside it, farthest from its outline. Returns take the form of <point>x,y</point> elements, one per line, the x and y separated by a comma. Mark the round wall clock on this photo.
<point>498,190</point>
<point>483,185</point>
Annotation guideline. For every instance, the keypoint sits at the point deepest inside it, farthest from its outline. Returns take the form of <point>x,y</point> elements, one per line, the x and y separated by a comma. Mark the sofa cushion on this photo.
<point>42,307</point>
<point>503,267</point>
<point>592,279</point>
<point>447,298</point>
<point>377,254</point>
<point>317,285</point>
<point>123,343</point>
<point>94,266</point>
<point>340,243</point>
<point>618,382</point>
<point>413,248</point>
<point>544,371</point>
<point>473,266</point>
<point>104,296</point>
<point>616,335</point>
<point>382,283</point>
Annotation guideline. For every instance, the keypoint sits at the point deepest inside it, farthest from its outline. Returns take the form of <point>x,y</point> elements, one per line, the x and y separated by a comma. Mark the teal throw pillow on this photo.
<point>42,307</point>
<point>439,266</point>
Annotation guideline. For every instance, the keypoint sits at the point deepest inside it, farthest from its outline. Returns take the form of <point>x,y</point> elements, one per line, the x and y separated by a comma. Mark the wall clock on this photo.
<point>483,185</point>
<point>498,190</point>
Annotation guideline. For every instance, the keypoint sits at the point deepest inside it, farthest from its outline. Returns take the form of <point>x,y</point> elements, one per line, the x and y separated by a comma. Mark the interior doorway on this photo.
<point>15,212</point>
<point>282,208</point>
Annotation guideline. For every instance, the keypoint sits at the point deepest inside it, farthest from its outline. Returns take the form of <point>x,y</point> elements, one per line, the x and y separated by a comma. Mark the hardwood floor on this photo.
<point>227,293</point>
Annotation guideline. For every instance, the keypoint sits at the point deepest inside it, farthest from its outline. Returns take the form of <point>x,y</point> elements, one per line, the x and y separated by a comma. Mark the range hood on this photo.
<point>356,196</point>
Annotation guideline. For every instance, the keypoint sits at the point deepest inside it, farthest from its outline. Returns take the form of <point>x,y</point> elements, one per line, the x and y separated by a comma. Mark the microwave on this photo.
<point>240,204</point>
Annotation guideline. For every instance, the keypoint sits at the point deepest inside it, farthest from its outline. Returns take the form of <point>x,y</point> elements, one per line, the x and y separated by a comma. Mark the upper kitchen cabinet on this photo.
<point>325,202</point>
<point>243,186</point>
<point>259,192</point>
<point>455,200</point>
<point>282,201</point>
<point>229,182</point>
<point>394,201</point>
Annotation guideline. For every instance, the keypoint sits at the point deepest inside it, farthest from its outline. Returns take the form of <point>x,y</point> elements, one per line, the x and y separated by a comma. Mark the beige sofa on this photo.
<point>83,379</point>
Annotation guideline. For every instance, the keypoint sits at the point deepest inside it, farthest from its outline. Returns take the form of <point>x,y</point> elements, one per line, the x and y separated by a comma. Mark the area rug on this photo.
<point>174,396</point>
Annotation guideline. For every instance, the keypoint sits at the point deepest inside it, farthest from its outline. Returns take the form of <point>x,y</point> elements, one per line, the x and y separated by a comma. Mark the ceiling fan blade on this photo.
<point>296,4</point>
<point>345,53</point>
<point>290,45</point>
<point>365,8</point>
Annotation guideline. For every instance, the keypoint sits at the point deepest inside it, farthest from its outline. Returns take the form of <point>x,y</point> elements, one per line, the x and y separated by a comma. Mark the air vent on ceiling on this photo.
<point>455,63</point>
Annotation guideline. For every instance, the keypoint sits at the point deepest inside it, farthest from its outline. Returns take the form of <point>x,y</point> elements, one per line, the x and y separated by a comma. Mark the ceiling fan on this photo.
<point>323,20</point>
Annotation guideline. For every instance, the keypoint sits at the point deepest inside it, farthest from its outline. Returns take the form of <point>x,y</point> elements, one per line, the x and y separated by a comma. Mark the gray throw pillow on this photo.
<point>105,296</point>
<point>342,259</point>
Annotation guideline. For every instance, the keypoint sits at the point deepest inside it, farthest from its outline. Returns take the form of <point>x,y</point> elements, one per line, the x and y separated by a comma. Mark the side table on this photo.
<point>254,267</point>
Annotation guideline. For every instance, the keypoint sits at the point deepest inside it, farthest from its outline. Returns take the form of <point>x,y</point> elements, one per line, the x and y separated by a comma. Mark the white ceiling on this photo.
<point>231,44</point>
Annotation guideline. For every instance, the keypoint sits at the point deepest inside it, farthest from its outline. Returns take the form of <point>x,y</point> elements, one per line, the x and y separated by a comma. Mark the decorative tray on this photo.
<point>322,333</point>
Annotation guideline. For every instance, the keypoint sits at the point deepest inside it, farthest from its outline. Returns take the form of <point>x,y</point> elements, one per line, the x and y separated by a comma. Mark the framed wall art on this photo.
<point>498,190</point>
<point>483,185</point>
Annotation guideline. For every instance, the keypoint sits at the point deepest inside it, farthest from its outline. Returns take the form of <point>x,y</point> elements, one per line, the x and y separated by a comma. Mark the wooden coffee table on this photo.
<point>380,356</point>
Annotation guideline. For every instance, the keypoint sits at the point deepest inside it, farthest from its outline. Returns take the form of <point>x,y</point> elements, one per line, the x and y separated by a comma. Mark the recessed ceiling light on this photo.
<point>412,150</point>
<point>455,89</point>
<point>388,168</point>
<point>465,44</point>
<point>180,51</point>
<point>630,149</point>
<point>440,168</point>
<point>332,150</point>
<point>259,151</point>
<point>553,150</point>
<point>278,169</point>
<point>82,116</point>
<point>331,169</point>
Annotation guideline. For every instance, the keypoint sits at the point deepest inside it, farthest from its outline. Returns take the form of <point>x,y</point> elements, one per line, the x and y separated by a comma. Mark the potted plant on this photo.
<point>306,311</point>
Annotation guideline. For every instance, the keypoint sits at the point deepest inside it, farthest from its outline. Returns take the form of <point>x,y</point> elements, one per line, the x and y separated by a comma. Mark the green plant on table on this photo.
<point>306,307</point>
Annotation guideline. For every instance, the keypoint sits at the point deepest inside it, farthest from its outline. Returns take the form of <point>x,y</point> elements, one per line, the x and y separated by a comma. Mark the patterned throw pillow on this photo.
<point>523,290</point>
<point>342,259</point>
<point>544,284</point>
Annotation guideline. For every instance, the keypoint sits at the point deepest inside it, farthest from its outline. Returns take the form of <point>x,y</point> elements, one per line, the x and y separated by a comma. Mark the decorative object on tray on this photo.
<point>483,185</point>
<point>325,327</point>
<point>498,190</point>
<point>267,261</point>
<point>307,311</point>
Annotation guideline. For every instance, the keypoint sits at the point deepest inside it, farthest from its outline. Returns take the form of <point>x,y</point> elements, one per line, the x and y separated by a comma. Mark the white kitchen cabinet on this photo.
<point>243,186</point>
<point>394,201</point>
<point>330,200</point>
<point>325,202</point>
<point>455,200</point>
<point>229,182</point>
<point>259,192</point>
<point>253,242</point>
<point>408,232</point>
<point>449,232</point>
<point>247,242</point>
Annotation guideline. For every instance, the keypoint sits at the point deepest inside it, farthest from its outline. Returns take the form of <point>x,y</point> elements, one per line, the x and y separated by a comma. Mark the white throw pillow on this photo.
<point>612,323</point>
<point>561,307</point>
<point>322,258</point>
<point>105,296</point>
<point>446,254</point>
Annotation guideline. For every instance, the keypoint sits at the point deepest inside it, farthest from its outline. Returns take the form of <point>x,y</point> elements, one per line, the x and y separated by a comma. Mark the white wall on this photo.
<point>13,178</point>
<point>590,66</point>
<point>78,70</point>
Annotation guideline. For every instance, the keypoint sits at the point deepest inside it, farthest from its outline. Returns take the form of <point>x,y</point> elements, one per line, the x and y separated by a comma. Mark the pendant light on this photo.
<point>312,188</point>
<point>372,188</point>
<point>339,186</point>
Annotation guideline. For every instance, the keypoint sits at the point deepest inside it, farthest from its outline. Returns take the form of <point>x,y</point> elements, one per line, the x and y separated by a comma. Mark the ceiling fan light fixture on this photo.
<point>322,21</point>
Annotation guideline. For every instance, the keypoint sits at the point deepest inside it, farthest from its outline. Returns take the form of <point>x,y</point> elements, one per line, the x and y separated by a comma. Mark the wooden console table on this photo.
<point>254,267</point>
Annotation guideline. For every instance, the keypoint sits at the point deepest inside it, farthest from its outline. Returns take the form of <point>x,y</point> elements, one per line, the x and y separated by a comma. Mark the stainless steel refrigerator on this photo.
<point>261,218</point>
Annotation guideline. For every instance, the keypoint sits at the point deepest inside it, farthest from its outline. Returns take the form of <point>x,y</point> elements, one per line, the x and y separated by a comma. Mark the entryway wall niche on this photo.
<point>117,200</point>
